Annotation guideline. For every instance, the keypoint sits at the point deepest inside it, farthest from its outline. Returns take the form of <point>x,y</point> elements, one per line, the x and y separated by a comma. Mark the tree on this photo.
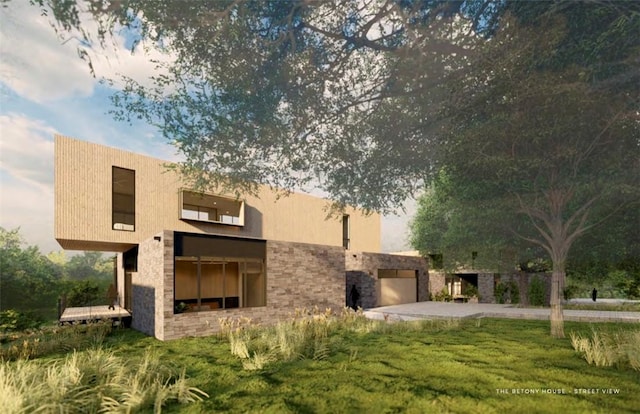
<point>290,94</point>
<point>28,280</point>
<point>89,265</point>
<point>470,226</point>
<point>370,100</point>
<point>557,140</point>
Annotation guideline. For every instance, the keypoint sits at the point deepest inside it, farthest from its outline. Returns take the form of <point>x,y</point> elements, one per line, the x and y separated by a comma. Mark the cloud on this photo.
<point>39,66</point>
<point>34,63</point>
<point>29,209</point>
<point>395,228</point>
<point>26,179</point>
<point>26,151</point>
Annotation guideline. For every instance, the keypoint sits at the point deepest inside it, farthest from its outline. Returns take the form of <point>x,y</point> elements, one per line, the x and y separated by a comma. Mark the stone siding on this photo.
<point>147,287</point>
<point>523,281</point>
<point>437,282</point>
<point>362,270</point>
<point>486,288</point>
<point>298,275</point>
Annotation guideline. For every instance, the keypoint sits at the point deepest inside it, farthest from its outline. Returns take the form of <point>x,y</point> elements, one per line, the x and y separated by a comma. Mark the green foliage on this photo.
<point>422,366</point>
<point>613,280</point>
<point>53,340</point>
<point>85,293</point>
<point>537,292</point>
<point>29,282</point>
<point>507,292</point>
<point>451,220</point>
<point>500,292</point>
<point>12,320</point>
<point>535,121</point>
<point>570,291</point>
<point>443,295</point>
<point>627,282</point>
<point>514,292</point>
<point>470,290</point>
<point>89,265</point>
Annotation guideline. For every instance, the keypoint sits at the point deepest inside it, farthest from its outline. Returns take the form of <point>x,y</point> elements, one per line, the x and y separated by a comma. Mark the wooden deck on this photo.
<point>92,313</point>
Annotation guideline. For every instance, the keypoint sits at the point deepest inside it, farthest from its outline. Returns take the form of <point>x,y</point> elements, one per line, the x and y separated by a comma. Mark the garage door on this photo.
<point>397,287</point>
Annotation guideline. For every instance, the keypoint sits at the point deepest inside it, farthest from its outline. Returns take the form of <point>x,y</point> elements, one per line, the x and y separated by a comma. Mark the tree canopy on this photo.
<point>335,95</point>
<point>529,109</point>
<point>32,282</point>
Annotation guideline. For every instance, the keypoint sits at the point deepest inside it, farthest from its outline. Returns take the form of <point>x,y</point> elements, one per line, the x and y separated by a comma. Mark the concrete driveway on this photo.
<point>445,310</point>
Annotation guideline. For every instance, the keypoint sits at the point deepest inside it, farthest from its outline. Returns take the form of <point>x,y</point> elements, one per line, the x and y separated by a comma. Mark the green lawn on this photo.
<point>339,365</point>
<point>485,366</point>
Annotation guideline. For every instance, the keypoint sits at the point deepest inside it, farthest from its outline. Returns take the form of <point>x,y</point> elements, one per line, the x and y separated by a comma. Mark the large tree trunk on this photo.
<point>557,293</point>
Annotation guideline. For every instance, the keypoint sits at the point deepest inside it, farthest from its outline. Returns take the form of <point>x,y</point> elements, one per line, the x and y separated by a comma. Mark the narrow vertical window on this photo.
<point>346,233</point>
<point>123,199</point>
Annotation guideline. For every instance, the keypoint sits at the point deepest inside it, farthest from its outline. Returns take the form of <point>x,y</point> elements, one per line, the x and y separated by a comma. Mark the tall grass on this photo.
<point>308,334</point>
<point>606,349</point>
<point>31,344</point>
<point>92,381</point>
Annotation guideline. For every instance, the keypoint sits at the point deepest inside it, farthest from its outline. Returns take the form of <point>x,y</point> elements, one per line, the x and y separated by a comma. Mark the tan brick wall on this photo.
<point>83,206</point>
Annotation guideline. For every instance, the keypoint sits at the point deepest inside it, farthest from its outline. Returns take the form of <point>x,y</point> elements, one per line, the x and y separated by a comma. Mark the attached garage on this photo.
<point>397,286</point>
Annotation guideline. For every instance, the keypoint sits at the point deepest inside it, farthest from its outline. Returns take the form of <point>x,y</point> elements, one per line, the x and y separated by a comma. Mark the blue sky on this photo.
<point>46,89</point>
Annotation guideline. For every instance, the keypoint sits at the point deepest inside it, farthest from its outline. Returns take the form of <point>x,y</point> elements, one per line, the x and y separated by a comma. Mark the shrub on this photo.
<point>570,291</point>
<point>514,292</point>
<point>33,344</point>
<point>85,293</point>
<point>537,294</point>
<point>470,290</point>
<point>12,320</point>
<point>507,292</point>
<point>443,295</point>
<point>500,292</point>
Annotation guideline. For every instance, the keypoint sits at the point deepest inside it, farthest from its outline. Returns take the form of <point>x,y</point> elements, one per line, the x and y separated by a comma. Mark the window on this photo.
<point>123,199</point>
<point>211,208</point>
<point>346,233</point>
<point>213,272</point>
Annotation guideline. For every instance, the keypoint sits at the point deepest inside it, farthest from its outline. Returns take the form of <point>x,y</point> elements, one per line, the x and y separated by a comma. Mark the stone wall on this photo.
<point>120,279</point>
<point>486,288</point>
<point>362,270</point>
<point>148,285</point>
<point>437,282</point>
<point>523,280</point>
<point>299,276</point>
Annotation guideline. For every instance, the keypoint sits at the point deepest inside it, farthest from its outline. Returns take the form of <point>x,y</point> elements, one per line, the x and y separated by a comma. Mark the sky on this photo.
<point>45,88</point>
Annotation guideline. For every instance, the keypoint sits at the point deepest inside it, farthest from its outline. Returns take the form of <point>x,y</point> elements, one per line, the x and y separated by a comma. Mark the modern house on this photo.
<point>186,259</point>
<point>468,284</point>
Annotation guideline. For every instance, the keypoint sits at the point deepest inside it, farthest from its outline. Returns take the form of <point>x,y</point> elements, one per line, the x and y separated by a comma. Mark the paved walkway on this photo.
<point>444,310</point>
